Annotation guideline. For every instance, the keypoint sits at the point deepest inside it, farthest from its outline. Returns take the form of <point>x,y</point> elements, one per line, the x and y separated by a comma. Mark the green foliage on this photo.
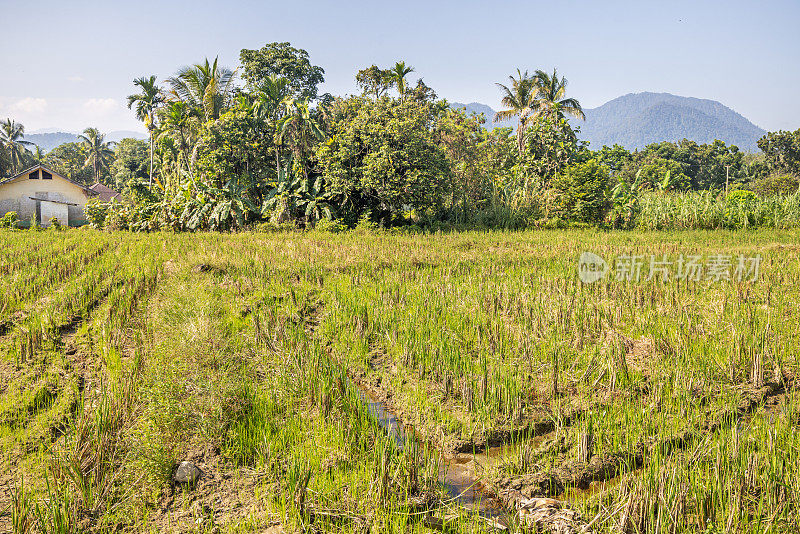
<point>782,150</point>
<point>238,144</point>
<point>615,157</point>
<point>55,224</point>
<point>740,208</point>
<point>777,184</point>
<point>374,81</point>
<point>204,206</point>
<point>329,225</point>
<point>131,163</point>
<point>99,154</point>
<point>663,175</point>
<point>624,203</point>
<point>96,212</point>
<point>9,220</point>
<point>13,147</point>
<point>551,147</point>
<point>383,157</point>
<point>582,192</point>
<point>296,196</point>
<point>709,210</point>
<point>282,60</point>
<point>68,160</point>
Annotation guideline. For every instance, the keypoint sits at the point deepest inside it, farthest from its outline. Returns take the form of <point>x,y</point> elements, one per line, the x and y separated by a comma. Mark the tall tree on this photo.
<point>300,129</point>
<point>520,101</point>
<point>98,151</point>
<point>399,73</point>
<point>272,97</point>
<point>38,154</point>
<point>11,134</point>
<point>205,87</point>
<point>147,103</point>
<point>177,122</point>
<point>374,80</point>
<point>550,96</point>
<point>283,61</point>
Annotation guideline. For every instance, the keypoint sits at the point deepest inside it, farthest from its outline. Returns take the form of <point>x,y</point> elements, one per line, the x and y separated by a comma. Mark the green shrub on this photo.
<point>9,220</point>
<point>581,192</point>
<point>96,212</point>
<point>366,223</point>
<point>55,224</point>
<point>740,208</point>
<point>327,225</point>
<point>776,184</point>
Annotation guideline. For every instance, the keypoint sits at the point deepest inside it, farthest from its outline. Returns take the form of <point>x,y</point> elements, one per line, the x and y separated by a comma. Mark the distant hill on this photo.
<point>49,140</point>
<point>635,120</point>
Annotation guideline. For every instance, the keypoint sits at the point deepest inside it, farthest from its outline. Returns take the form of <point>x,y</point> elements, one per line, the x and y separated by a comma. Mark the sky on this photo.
<point>69,64</point>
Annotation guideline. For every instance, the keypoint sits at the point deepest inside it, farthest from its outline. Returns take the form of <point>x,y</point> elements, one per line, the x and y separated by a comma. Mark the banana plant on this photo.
<point>295,192</point>
<point>217,208</point>
<point>625,201</point>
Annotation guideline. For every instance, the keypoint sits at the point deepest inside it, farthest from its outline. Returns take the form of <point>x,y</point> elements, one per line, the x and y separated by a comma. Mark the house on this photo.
<point>105,193</point>
<point>39,192</point>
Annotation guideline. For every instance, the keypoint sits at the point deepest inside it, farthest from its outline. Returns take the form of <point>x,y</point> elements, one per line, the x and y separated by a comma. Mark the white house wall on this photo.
<point>51,210</point>
<point>15,196</point>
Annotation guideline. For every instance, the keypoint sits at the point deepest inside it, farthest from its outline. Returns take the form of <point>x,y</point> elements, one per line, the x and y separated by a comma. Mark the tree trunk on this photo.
<point>150,186</point>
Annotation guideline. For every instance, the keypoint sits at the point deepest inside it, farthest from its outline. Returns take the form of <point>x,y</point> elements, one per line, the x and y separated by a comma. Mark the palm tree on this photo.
<point>299,127</point>
<point>38,154</point>
<point>204,86</point>
<point>11,134</point>
<point>398,76</point>
<point>272,103</point>
<point>519,99</point>
<point>98,151</point>
<point>177,122</point>
<point>550,91</point>
<point>147,103</point>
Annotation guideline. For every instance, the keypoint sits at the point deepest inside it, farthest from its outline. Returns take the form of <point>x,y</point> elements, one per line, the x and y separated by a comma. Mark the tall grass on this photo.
<point>709,210</point>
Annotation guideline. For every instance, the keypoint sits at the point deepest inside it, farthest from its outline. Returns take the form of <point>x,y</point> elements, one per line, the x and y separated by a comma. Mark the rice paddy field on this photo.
<point>379,382</point>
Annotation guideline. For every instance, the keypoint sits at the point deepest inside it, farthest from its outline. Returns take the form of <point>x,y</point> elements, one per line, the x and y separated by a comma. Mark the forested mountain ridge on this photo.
<point>638,119</point>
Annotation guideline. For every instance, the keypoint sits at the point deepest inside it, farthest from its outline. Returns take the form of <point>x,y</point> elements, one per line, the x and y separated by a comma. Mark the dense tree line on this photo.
<point>230,148</point>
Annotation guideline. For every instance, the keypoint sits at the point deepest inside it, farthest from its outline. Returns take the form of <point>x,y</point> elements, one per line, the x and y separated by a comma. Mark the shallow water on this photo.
<point>457,473</point>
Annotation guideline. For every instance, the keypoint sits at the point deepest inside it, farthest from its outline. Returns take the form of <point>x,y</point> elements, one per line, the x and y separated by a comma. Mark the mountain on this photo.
<point>48,140</point>
<point>638,119</point>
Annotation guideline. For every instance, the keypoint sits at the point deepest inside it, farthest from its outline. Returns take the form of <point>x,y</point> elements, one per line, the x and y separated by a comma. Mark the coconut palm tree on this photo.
<point>98,150</point>
<point>398,76</point>
<point>11,134</point>
<point>147,102</point>
<point>177,122</point>
<point>520,101</point>
<point>550,91</point>
<point>206,87</point>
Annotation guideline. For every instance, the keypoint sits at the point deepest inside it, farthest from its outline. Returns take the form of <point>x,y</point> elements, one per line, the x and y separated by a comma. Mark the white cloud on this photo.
<point>101,106</point>
<point>74,78</point>
<point>29,105</point>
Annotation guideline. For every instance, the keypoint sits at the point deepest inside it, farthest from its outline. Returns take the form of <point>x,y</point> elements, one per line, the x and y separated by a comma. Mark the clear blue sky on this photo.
<point>69,63</point>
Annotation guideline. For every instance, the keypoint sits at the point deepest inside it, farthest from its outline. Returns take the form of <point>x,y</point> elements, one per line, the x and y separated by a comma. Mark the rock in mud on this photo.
<point>544,514</point>
<point>187,473</point>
